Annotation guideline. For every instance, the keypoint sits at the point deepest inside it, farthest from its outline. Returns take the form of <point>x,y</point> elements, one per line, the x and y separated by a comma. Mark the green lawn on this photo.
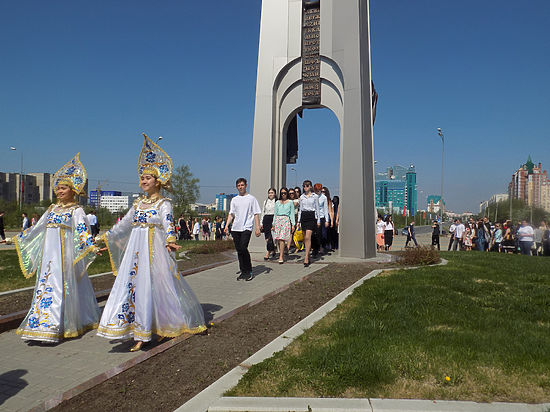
<point>476,329</point>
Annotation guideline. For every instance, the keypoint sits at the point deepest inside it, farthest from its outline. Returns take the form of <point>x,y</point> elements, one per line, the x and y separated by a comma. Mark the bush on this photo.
<point>215,246</point>
<point>419,256</point>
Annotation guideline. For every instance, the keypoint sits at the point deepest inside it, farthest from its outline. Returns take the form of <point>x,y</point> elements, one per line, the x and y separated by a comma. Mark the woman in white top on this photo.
<point>268,211</point>
<point>308,216</point>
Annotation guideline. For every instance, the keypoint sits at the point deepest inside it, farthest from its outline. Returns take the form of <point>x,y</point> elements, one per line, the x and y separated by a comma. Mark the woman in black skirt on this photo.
<point>268,210</point>
<point>388,232</point>
<point>308,216</point>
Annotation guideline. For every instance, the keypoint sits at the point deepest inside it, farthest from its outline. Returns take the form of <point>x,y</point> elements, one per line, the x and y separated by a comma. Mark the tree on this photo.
<point>185,188</point>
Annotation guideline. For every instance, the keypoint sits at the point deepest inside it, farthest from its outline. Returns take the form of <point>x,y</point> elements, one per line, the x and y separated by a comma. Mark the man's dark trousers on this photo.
<point>241,240</point>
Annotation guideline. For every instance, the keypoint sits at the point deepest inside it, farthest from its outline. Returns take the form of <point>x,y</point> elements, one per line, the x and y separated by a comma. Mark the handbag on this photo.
<point>298,236</point>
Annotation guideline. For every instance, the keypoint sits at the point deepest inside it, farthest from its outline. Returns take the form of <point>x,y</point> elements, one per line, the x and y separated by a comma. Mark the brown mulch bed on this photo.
<point>169,379</point>
<point>22,300</point>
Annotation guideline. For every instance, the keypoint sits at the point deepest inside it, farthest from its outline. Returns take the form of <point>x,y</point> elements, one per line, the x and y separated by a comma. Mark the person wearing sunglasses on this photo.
<point>284,222</point>
<point>308,216</point>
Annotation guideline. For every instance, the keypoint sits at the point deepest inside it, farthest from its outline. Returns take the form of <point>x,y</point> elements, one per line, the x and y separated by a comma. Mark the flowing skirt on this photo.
<point>282,229</point>
<point>148,296</point>
<point>64,303</point>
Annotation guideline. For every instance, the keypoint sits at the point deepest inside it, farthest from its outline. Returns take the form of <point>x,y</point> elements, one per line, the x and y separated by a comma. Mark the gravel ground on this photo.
<point>167,380</point>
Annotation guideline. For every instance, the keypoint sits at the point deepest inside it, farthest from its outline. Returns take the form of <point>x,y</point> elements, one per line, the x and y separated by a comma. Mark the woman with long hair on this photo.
<point>284,222</point>
<point>308,216</point>
<point>268,211</point>
<point>334,228</point>
<point>388,232</point>
<point>329,219</point>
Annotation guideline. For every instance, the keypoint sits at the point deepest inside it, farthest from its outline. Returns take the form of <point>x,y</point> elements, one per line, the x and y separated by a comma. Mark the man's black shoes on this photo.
<point>249,277</point>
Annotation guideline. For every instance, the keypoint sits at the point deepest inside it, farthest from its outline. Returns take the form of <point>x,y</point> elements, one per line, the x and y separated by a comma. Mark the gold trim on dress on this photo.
<point>90,249</point>
<point>59,225</point>
<point>131,330</point>
<point>151,251</point>
<point>113,267</point>
<point>21,264</point>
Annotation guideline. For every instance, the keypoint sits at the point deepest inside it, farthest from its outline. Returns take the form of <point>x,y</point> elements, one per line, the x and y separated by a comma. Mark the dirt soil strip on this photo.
<point>186,365</point>
<point>21,301</point>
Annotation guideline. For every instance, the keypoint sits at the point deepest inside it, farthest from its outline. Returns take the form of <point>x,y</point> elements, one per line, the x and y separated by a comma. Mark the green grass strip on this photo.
<point>476,329</point>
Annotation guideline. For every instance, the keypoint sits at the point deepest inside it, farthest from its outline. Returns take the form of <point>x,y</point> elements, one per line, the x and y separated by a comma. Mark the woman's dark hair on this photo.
<point>274,190</point>
<point>388,218</point>
<point>298,190</point>
<point>327,192</point>
<point>307,182</point>
<point>241,179</point>
<point>336,201</point>
<point>283,189</point>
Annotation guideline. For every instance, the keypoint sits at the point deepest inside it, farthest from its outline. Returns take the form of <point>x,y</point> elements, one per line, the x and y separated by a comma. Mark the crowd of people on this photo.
<point>502,237</point>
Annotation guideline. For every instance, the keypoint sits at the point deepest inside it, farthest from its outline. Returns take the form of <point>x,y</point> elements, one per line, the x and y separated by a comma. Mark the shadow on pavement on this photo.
<point>209,309</point>
<point>12,383</point>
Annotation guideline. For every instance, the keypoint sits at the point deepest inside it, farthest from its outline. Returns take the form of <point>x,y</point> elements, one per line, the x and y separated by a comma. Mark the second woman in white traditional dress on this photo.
<point>148,296</point>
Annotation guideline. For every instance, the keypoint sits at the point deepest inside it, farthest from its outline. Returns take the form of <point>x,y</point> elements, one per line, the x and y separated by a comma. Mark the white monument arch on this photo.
<point>313,54</point>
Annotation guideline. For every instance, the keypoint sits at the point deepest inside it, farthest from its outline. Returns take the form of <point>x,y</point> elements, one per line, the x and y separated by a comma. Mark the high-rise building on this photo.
<point>396,190</point>
<point>223,201</point>
<point>529,183</point>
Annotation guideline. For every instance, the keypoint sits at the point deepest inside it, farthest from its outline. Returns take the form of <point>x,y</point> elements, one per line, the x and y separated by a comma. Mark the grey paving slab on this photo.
<point>40,371</point>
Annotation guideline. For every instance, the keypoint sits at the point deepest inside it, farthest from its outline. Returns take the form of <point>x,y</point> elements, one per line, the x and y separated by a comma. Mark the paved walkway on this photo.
<point>31,373</point>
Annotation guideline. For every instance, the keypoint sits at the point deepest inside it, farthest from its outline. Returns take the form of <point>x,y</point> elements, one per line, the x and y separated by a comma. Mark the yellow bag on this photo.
<point>299,240</point>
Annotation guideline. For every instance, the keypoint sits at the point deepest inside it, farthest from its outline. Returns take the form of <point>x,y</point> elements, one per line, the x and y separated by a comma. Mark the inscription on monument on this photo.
<point>311,61</point>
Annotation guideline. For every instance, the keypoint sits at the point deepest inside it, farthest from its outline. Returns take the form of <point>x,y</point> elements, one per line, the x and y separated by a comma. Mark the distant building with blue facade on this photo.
<point>223,201</point>
<point>93,195</point>
<point>396,190</point>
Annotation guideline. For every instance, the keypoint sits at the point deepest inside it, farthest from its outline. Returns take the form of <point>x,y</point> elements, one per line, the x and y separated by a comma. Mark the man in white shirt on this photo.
<point>25,224</point>
<point>322,232</point>
<point>92,220</point>
<point>452,233</point>
<point>459,231</point>
<point>525,235</point>
<point>244,212</point>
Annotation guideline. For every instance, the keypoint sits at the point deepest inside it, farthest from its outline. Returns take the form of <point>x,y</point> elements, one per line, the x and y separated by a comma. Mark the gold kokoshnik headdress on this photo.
<point>72,174</point>
<point>155,162</point>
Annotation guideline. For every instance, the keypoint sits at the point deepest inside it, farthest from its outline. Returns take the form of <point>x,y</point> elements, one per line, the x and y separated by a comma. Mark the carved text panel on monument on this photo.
<point>311,61</point>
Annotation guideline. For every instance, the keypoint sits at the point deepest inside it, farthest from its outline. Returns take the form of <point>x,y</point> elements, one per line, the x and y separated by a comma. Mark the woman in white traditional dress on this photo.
<point>148,296</point>
<point>59,249</point>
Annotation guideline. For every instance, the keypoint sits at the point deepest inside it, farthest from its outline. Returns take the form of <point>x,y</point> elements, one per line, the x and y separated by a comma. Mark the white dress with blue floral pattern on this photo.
<point>148,296</point>
<point>58,249</point>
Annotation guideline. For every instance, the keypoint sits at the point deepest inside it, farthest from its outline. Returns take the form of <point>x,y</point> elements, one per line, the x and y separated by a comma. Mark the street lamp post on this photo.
<point>440,133</point>
<point>20,180</point>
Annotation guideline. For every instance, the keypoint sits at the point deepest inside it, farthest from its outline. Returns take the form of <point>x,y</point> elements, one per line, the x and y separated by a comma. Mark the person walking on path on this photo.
<point>196,228</point>
<point>149,296</point>
<point>452,230</point>
<point>308,216</point>
<point>268,211</point>
<point>58,249</point>
<point>379,233</point>
<point>320,245</point>
<point>244,212</point>
<point>388,232</point>
<point>25,223</point>
<point>436,232</point>
<point>525,235</point>
<point>411,235</point>
<point>284,222</point>
<point>459,232</point>
<point>2,234</point>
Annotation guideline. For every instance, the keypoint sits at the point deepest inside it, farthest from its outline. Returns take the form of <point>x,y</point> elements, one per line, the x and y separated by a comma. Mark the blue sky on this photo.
<point>91,76</point>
